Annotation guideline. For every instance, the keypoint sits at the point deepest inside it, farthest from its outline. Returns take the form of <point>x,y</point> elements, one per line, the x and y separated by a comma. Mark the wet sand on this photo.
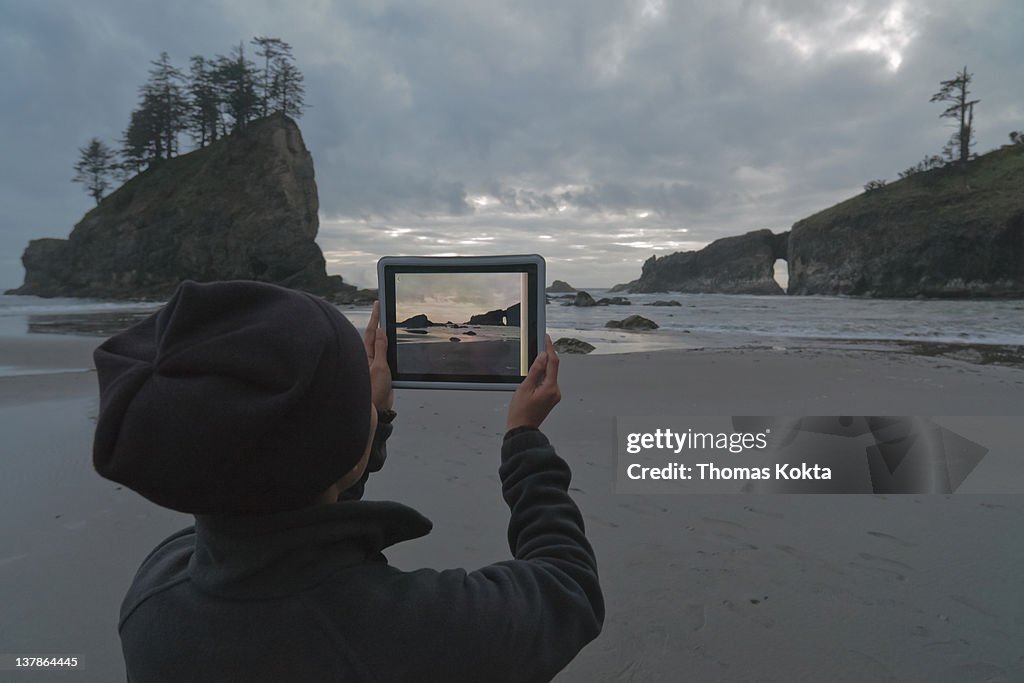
<point>766,588</point>
<point>492,357</point>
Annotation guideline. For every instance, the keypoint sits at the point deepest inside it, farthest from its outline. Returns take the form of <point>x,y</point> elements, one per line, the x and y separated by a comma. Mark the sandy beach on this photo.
<point>708,588</point>
<point>489,357</point>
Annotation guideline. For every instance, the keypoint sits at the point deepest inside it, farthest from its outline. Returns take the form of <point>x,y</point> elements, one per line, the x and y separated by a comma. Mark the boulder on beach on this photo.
<point>633,322</point>
<point>572,345</point>
<point>670,302</point>
<point>455,339</point>
<point>581,299</point>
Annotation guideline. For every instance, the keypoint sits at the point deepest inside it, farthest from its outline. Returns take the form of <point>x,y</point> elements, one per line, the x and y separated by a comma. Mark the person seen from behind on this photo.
<point>261,411</point>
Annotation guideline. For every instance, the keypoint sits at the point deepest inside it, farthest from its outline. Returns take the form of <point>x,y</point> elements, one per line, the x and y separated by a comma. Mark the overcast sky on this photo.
<point>593,132</point>
<point>455,296</point>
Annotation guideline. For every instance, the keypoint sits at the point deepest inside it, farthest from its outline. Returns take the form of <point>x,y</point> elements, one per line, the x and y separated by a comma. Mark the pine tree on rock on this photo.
<point>95,164</point>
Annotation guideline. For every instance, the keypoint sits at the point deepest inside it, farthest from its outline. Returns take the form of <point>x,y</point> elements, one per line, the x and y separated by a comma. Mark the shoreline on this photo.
<point>70,349</point>
<point>44,372</point>
<point>977,334</point>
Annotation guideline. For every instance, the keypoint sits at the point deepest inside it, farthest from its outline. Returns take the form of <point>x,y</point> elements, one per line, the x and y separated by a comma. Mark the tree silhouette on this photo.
<point>271,50</point>
<point>960,109</point>
<point>95,164</point>
<point>154,127</point>
<point>287,89</point>
<point>235,80</point>
<point>144,142</point>
<point>140,144</point>
<point>164,98</point>
<point>204,118</point>
<point>220,96</point>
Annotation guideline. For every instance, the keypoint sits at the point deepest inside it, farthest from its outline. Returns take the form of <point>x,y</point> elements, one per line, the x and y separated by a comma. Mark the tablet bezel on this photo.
<point>531,264</point>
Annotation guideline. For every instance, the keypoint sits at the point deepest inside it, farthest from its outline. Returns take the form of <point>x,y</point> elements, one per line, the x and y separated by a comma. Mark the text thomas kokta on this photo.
<point>733,443</point>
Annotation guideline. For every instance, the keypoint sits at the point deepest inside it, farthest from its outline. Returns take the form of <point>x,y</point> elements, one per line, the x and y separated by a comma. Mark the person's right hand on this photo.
<point>375,341</point>
<point>538,393</point>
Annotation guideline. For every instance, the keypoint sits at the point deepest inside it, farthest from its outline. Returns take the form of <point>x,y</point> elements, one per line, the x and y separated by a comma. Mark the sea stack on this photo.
<point>244,207</point>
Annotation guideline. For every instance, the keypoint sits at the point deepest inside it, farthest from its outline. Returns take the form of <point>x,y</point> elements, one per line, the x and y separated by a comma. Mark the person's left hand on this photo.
<point>375,341</point>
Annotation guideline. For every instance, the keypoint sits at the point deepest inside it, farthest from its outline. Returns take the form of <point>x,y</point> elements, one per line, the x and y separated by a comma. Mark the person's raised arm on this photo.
<point>525,619</point>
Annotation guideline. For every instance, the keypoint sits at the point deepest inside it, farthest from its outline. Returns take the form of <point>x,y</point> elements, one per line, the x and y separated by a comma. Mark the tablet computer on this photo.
<point>461,322</point>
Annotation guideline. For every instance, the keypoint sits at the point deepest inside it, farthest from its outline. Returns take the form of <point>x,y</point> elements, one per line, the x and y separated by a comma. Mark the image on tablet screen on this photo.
<point>461,323</point>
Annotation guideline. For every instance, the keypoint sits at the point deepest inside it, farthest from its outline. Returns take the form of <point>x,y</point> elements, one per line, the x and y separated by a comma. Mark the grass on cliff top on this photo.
<point>989,189</point>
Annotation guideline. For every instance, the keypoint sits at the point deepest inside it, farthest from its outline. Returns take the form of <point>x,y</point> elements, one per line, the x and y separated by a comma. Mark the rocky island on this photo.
<point>500,316</point>
<point>560,287</point>
<point>244,207</point>
<point>505,317</point>
<point>947,232</point>
<point>744,264</point>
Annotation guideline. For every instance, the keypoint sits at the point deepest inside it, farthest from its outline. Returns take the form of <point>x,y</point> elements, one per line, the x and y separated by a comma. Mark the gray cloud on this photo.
<point>475,127</point>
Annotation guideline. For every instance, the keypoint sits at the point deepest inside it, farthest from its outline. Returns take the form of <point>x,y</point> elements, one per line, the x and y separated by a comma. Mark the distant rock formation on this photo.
<point>560,287</point>
<point>571,345</point>
<point>659,302</point>
<point>512,314</point>
<point>420,320</point>
<point>633,322</point>
<point>732,265</point>
<point>244,207</point>
<point>500,316</point>
<point>495,317</point>
<point>614,301</point>
<point>948,232</point>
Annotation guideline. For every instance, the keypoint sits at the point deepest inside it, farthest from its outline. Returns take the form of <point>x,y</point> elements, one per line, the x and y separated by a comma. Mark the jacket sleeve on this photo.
<point>523,619</point>
<point>553,559</point>
<point>378,454</point>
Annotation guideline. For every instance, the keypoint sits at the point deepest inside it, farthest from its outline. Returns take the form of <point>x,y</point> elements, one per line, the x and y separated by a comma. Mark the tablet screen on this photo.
<point>461,324</point>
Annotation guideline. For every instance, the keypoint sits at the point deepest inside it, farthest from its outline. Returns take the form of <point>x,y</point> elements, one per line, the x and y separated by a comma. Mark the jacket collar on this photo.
<point>265,556</point>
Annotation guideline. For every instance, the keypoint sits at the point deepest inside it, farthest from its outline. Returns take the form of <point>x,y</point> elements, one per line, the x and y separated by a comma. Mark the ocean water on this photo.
<point>728,320</point>
<point>21,315</point>
<point>701,320</point>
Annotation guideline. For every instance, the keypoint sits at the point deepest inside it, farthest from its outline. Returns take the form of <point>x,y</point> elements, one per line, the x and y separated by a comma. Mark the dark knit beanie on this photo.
<point>234,398</point>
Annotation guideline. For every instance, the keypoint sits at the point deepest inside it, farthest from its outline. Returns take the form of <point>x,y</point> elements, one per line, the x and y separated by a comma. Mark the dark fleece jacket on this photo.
<point>306,595</point>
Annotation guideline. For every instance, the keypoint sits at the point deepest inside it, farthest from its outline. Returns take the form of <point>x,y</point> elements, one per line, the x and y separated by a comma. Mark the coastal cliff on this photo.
<point>732,265</point>
<point>244,207</point>
<point>948,232</point>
